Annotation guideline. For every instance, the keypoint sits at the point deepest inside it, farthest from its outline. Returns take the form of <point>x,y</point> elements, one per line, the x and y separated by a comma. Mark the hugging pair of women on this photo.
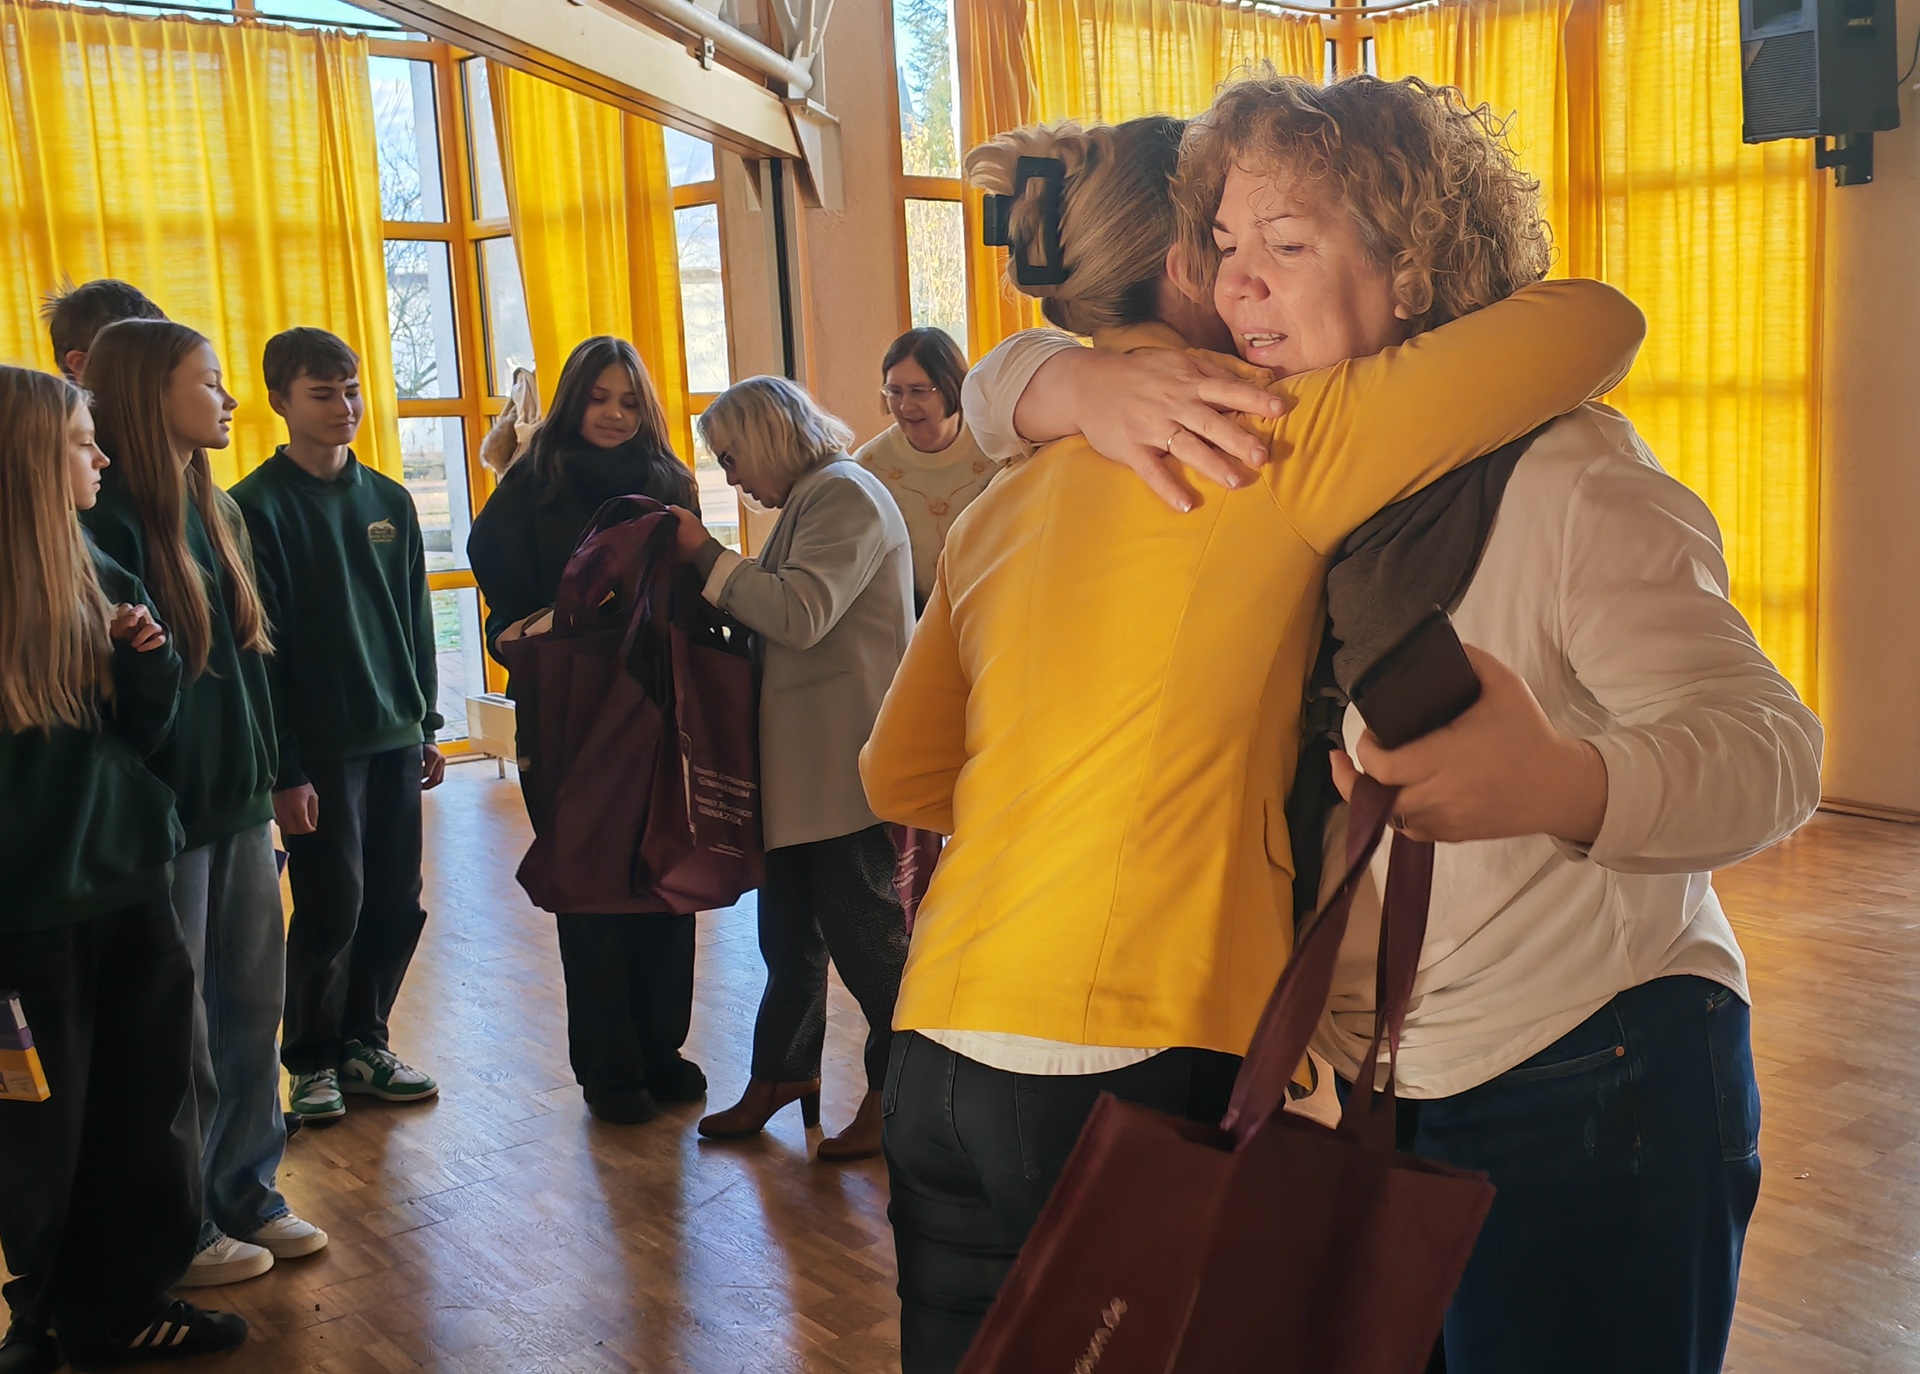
<point>1104,703</point>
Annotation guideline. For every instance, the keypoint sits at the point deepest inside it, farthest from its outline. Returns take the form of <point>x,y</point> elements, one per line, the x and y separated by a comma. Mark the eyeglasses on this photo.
<point>893,395</point>
<point>725,461</point>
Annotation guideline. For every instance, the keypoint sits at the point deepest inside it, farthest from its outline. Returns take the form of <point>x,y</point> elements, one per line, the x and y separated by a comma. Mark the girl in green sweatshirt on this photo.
<point>160,405</point>
<point>99,1208</point>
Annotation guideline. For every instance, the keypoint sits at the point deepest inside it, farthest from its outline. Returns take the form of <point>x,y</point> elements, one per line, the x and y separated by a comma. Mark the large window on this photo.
<point>457,307</point>
<point>703,313</point>
<point>458,316</point>
<point>932,220</point>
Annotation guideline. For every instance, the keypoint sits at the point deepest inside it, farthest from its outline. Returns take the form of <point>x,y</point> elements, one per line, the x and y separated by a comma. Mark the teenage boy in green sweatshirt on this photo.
<point>343,572</point>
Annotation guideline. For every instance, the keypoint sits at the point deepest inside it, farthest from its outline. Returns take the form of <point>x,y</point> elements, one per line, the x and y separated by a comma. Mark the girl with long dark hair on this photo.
<point>629,978</point>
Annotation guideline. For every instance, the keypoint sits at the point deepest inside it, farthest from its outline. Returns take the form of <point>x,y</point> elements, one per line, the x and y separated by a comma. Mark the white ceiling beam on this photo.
<point>591,50</point>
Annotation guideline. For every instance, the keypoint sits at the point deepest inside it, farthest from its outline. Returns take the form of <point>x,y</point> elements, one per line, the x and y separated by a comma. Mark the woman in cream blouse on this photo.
<point>928,459</point>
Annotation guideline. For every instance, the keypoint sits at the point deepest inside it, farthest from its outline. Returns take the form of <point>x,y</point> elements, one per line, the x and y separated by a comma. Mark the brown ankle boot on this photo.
<point>861,1140</point>
<point>760,1101</point>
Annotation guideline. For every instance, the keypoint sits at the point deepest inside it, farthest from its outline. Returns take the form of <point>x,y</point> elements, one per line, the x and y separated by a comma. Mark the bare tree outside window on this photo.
<point>703,300</point>
<point>937,266</point>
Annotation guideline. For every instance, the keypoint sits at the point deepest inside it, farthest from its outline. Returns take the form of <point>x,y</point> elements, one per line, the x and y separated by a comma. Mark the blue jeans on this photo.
<point>226,896</point>
<point>1627,1162</point>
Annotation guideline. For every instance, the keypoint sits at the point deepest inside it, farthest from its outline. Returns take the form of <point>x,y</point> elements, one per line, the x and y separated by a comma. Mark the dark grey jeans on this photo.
<point>973,1153</point>
<point>829,898</point>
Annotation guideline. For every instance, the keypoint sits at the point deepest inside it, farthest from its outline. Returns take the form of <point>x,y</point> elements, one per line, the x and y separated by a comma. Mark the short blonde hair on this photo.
<point>1116,216</point>
<point>1428,179</point>
<point>772,428</point>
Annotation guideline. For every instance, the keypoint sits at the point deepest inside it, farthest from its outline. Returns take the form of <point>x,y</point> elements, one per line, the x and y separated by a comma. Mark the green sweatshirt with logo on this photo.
<point>88,829</point>
<point>343,570</point>
<point>220,759</point>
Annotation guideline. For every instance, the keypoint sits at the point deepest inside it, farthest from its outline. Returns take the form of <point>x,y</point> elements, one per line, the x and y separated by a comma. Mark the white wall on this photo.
<point>1870,481</point>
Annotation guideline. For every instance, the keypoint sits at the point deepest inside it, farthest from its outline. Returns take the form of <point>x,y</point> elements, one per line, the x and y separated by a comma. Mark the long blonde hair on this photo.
<point>128,369</point>
<point>1116,214</point>
<point>54,652</point>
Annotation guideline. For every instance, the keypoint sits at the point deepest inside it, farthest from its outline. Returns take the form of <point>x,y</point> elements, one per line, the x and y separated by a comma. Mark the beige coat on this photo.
<point>830,602</point>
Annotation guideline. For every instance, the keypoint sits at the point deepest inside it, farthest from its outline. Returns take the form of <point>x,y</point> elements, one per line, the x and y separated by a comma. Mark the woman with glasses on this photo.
<point>928,459</point>
<point>828,601</point>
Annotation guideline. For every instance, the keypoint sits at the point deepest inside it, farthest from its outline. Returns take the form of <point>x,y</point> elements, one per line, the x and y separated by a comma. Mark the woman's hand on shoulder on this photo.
<point>1164,414</point>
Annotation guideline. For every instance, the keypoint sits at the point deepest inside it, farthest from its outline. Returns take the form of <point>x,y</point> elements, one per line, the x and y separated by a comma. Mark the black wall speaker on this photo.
<point>1820,69</point>
<point>1817,68</point>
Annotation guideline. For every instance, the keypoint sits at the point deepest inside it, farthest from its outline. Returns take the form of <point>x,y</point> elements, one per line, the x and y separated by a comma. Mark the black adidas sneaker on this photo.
<point>178,1331</point>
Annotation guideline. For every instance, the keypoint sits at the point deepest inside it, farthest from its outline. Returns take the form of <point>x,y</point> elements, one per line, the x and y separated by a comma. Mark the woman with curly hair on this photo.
<point>1116,903</point>
<point>1579,1026</point>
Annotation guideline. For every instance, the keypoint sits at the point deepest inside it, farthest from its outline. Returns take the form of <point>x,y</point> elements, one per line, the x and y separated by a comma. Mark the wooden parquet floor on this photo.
<point>502,1230</point>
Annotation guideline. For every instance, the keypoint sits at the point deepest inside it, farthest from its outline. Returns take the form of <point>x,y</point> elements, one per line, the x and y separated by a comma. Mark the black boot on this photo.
<point>629,1105</point>
<point>677,1080</point>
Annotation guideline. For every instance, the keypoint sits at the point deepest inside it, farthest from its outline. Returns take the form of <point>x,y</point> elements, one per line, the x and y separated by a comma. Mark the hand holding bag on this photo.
<point>1270,1243</point>
<point>637,732</point>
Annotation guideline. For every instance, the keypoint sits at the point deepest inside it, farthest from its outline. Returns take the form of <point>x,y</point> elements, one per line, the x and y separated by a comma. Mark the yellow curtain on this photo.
<point>1102,61</point>
<point>592,215</point>
<point>1110,60</point>
<point>226,169</point>
<point>1629,111</point>
<point>997,94</point>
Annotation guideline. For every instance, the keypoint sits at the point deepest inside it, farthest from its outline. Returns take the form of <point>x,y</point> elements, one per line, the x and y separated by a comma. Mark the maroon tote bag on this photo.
<point>1269,1243</point>
<point>638,729</point>
<point>702,847</point>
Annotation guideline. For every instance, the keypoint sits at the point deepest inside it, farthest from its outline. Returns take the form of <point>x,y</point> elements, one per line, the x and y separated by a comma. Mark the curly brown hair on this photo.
<point>1428,178</point>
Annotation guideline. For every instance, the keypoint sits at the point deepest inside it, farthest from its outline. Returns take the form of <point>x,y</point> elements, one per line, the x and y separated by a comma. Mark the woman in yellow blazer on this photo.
<point>1101,704</point>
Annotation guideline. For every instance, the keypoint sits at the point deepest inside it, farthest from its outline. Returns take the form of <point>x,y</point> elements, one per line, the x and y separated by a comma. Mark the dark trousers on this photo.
<point>972,1154</point>
<point>1626,1155</point>
<point>100,1185</point>
<point>356,906</point>
<point>829,898</point>
<point>629,995</point>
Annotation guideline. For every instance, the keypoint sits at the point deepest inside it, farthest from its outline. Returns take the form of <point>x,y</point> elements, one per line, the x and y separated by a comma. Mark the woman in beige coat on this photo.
<point>830,603</point>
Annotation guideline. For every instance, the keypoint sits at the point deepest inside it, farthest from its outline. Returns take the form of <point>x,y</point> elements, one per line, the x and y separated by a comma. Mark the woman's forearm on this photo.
<point>1007,414</point>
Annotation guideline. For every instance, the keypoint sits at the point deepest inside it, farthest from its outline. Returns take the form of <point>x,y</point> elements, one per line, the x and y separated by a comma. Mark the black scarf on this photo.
<point>1384,580</point>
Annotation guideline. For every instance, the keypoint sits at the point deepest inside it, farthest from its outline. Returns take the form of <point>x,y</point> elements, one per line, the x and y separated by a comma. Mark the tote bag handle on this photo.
<point>1299,998</point>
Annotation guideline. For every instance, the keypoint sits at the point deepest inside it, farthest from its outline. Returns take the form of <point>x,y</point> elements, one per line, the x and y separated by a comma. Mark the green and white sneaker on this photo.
<point>380,1073</point>
<point>316,1096</point>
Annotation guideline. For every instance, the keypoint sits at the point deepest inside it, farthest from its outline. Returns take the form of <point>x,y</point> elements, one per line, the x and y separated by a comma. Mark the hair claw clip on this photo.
<point>1051,173</point>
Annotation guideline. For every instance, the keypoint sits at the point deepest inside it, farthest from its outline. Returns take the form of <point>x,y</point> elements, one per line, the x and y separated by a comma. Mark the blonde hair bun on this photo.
<point>1116,220</point>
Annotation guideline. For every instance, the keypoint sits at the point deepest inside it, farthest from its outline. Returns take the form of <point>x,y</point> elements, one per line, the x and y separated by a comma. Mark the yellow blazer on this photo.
<point>1102,702</point>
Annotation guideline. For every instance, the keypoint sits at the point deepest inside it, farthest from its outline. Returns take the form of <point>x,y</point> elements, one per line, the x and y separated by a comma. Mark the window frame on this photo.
<point>907,186</point>
<point>697,193</point>
<point>462,232</point>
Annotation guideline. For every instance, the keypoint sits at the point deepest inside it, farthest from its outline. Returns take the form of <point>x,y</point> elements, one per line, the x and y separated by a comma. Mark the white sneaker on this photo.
<point>226,1261</point>
<point>288,1237</point>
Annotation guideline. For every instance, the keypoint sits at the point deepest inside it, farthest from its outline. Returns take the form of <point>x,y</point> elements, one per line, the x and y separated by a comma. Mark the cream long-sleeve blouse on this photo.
<point>931,490</point>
